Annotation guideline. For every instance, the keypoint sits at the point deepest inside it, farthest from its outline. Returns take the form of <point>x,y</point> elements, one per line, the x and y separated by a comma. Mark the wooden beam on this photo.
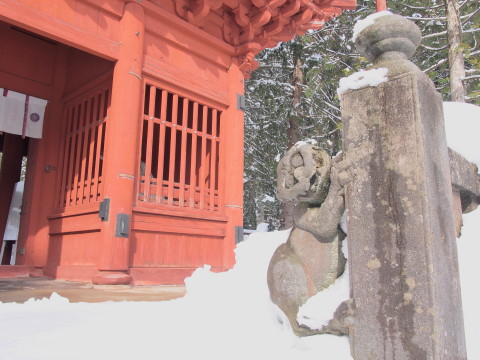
<point>344,4</point>
<point>54,28</point>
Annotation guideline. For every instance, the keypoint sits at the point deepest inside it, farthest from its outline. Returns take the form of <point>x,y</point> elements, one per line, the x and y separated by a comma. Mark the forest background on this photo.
<point>292,96</point>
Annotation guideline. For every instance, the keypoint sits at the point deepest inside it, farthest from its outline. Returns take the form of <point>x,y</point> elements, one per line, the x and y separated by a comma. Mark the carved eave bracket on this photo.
<point>253,25</point>
<point>246,58</point>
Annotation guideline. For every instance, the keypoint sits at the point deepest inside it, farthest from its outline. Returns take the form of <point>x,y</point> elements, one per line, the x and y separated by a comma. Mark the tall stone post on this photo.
<point>122,136</point>
<point>402,251</point>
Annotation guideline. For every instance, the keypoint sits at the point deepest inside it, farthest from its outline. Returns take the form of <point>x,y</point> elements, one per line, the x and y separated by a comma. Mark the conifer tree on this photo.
<point>325,56</point>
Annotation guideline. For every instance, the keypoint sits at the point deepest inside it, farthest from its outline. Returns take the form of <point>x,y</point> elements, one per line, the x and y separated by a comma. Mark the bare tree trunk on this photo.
<point>286,220</point>
<point>260,216</point>
<point>297,82</point>
<point>455,54</point>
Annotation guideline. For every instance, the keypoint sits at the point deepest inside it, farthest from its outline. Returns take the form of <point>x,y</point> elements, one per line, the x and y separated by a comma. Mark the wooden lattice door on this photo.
<point>83,147</point>
<point>180,152</point>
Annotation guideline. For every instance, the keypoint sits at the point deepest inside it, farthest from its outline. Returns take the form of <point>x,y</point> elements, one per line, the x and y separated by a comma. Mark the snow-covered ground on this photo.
<point>223,316</point>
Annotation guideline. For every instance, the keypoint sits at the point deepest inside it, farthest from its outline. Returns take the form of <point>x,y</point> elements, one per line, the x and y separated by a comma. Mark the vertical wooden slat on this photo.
<point>161,146</point>
<point>213,160</point>
<point>80,134</point>
<point>93,125</point>
<point>138,187</point>
<point>193,163</point>
<point>173,146</point>
<point>72,164</point>
<point>71,157</point>
<point>66,153</point>
<point>98,142</point>
<point>84,129</point>
<point>148,155</point>
<point>107,93</point>
<point>183,153</point>
<point>220,174</point>
<point>83,164</point>
<point>203,162</point>
<point>195,187</point>
<point>206,162</point>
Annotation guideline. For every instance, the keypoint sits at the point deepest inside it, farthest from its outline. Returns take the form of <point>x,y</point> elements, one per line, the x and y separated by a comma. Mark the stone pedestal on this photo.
<point>402,250</point>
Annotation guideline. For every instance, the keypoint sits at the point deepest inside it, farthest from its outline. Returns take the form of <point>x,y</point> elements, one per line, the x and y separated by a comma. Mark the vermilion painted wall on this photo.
<point>81,42</point>
<point>83,69</point>
<point>83,55</point>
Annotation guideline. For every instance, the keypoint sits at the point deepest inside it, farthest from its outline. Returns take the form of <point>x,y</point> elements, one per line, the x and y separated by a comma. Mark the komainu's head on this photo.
<point>303,174</point>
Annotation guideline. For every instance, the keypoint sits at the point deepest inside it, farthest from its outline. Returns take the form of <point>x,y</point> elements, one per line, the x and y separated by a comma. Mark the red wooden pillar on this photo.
<point>122,133</point>
<point>40,186</point>
<point>233,161</point>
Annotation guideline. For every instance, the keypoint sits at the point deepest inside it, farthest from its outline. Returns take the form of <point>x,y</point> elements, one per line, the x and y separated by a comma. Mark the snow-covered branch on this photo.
<point>464,2</point>
<point>466,18</point>
<point>434,49</point>
<point>423,7</point>
<point>437,64</point>
<point>472,97</point>
<point>441,33</point>
<point>439,18</point>
<point>471,77</point>
<point>474,30</point>
<point>328,134</point>
<point>275,66</point>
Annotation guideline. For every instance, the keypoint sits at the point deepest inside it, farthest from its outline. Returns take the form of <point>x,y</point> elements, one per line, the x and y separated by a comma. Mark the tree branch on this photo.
<point>440,62</point>
<point>442,33</point>
<point>423,8</point>
<point>471,77</point>
<point>435,34</point>
<point>469,16</point>
<point>432,48</point>
<point>440,18</point>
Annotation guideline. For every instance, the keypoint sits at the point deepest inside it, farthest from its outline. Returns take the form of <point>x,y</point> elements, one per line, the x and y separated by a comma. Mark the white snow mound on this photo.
<point>462,124</point>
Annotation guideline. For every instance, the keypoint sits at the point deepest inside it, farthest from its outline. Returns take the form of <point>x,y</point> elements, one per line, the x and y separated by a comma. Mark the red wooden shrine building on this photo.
<point>138,174</point>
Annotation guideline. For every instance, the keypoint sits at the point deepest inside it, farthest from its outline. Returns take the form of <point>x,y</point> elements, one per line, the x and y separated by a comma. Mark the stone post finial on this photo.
<point>389,42</point>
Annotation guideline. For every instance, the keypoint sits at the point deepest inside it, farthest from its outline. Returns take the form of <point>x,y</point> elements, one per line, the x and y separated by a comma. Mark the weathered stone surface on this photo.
<point>311,259</point>
<point>342,319</point>
<point>111,278</point>
<point>381,38</point>
<point>303,174</point>
<point>402,250</point>
<point>466,187</point>
<point>465,180</point>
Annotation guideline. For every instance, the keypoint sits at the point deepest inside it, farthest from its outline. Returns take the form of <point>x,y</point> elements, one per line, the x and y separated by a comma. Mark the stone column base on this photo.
<point>111,278</point>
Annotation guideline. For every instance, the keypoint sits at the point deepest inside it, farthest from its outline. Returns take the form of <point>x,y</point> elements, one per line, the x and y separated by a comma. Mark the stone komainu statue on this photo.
<point>311,259</point>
